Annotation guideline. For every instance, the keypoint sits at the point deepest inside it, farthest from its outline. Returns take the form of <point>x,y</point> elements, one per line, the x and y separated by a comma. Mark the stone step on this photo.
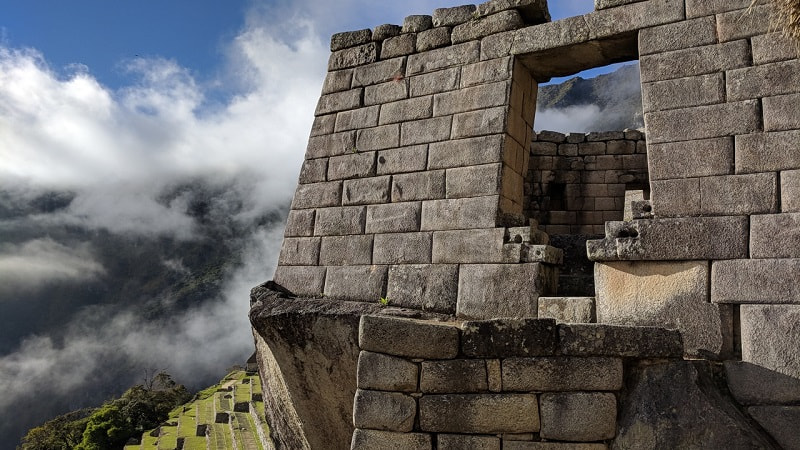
<point>568,309</point>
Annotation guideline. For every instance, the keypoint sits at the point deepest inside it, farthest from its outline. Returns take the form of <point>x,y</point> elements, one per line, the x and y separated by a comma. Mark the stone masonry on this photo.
<point>422,250</point>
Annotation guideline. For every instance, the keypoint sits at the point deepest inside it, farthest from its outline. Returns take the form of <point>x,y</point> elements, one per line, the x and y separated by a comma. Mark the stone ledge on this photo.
<point>408,337</point>
<point>621,341</point>
<point>500,338</point>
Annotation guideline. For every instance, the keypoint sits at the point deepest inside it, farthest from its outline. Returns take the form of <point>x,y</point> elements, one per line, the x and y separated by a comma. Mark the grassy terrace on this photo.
<point>180,430</point>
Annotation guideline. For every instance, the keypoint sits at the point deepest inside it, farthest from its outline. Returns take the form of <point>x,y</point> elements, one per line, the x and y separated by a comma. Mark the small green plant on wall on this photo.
<point>384,301</point>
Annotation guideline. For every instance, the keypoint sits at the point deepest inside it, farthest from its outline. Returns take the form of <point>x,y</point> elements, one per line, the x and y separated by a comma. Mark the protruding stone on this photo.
<point>500,338</point>
<point>447,17</point>
<point>409,338</point>
<point>614,340</point>
<point>417,23</point>
<point>350,39</point>
<point>486,26</point>
<point>533,11</point>
<point>386,31</point>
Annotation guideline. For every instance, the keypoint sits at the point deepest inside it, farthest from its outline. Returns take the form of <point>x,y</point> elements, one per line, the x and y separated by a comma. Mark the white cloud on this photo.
<point>43,260</point>
<point>579,119</point>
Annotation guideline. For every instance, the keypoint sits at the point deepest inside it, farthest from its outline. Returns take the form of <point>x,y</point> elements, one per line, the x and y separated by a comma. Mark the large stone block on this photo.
<point>417,23</point>
<point>388,440</point>
<point>698,8</point>
<point>615,340</point>
<point>739,194</point>
<point>447,17</point>
<point>366,191</point>
<point>487,25</point>
<point>683,92</point>
<point>578,416</point>
<point>386,92</point>
<point>790,191</point>
<point>359,283</point>
<point>323,125</point>
<point>425,131</point>
<point>479,413</point>
<point>675,197</point>
<point>755,281</point>
<point>464,441</point>
<point>402,248</point>
<point>474,181</point>
<point>503,290</point>
<point>678,404</point>
<point>317,195</point>
<point>726,119</point>
<point>764,80</point>
<point>771,337</point>
<point>424,286</point>
<point>379,72</point>
<point>456,55</point>
<point>466,152</point>
<point>302,251</point>
<point>690,238</point>
<point>357,118</point>
<point>380,372</point>
<point>331,144</point>
<point>354,165</point>
<point>668,294</point>
<point>699,158</point>
<point>768,152</point>
<point>405,110</point>
<point>561,33</point>
<point>500,338</point>
<point>436,82</point>
<point>775,236</point>
<point>345,250</point>
<point>460,213</point>
<point>350,39</point>
<point>307,281</point>
<point>473,246</point>
<point>610,23</point>
<point>562,373</point>
<point>393,218</point>
<point>408,337</point>
<point>404,159</point>
<point>479,123</point>
<point>472,98</point>
<point>340,221</point>
<point>337,81</point>
<point>498,69</point>
<point>781,112</point>
<point>418,186</point>
<point>780,422</point>
<point>567,309</point>
<point>398,46</point>
<point>433,38</point>
<point>338,101</point>
<point>314,171</point>
<point>353,57</point>
<point>458,376</point>
<point>694,61</point>
<point>300,223</point>
<point>533,11</point>
<point>388,411</point>
<point>743,24</point>
<point>678,36</point>
<point>751,384</point>
<point>773,47</point>
<point>378,138</point>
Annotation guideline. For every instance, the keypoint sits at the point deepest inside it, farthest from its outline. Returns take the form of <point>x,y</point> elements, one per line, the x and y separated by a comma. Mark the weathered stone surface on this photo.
<point>403,159</point>
<point>360,283</point>
<point>739,194</point>
<point>675,197</point>
<point>699,158</point>
<point>380,372</point>
<point>725,119</point>
<point>357,118</point>
<point>700,416</point>
<point>408,337</point>
<point>781,112</point>
<point>775,236</point>
<point>764,80</point>
<point>479,123</point>
<point>567,309</point>
<point>667,294</point>
<point>465,152</point>
<point>755,281</point>
<point>503,290</point>
<point>472,246</point>
<point>692,238</point>
<point>497,45</point>
<point>790,191</point>
<point>424,286</point>
<point>605,4</point>
<point>388,411</point>
<point>541,253</point>
<point>378,138</point>
<point>578,416</point>
<point>387,440</point>
<point>317,195</point>
<point>473,181</point>
<point>751,384</point>
<point>379,72</point>
<point>464,441</point>
<point>386,92</point>
<point>780,422</point>
<point>456,55</point>
<point>487,25</point>
<point>695,61</point>
<point>417,23</point>
<point>697,8</point>
<point>678,36</point>
<point>402,248</point>
<point>307,352</point>
<point>479,413</point>
<point>300,223</point>
<point>385,31</point>
<point>337,81</point>
<point>350,39</point>
<point>398,46</point>
<point>498,69</point>
<point>302,251</point>
<point>433,38</point>
<point>453,376</point>
<point>314,171</point>
<point>366,191</point>
<point>499,338</point>
<point>533,11</point>
<point>773,47</point>
<point>472,98</point>
<point>345,250</point>
<point>393,218</point>
<point>425,131</point>
<point>763,152</point>
<point>610,23</point>
<point>307,281</point>
<point>405,110</point>
<point>436,82</point>
<point>683,92</point>
<point>562,373</point>
<point>459,213</point>
<point>331,144</point>
<point>323,125</point>
<point>561,33</point>
<point>354,165</point>
<point>418,186</point>
<point>771,338</point>
<point>340,221</point>
<point>743,24</point>
<point>353,57</point>
<point>614,340</point>
<point>447,17</point>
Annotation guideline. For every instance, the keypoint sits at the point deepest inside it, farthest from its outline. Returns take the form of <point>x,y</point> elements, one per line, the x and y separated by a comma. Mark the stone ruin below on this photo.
<point>417,302</point>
